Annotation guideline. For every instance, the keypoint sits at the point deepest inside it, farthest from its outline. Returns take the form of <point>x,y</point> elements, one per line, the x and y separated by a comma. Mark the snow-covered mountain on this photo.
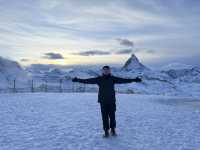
<point>176,66</point>
<point>173,79</point>
<point>133,64</point>
<point>182,72</point>
<point>10,70</point>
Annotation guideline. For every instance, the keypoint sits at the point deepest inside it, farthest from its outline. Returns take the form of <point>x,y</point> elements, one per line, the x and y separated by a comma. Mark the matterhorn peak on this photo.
<point>133,63</point>
<point>134,58</point>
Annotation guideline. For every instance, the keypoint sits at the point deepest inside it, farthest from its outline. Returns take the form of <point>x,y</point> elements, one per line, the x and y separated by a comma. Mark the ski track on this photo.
<point>72,121</point>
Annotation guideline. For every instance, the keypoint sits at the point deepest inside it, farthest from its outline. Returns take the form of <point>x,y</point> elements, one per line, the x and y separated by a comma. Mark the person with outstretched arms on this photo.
<point>106,96</point>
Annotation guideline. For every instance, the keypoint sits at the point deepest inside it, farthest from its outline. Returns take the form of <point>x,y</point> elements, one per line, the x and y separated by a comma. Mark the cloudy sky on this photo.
<point>98,32</point>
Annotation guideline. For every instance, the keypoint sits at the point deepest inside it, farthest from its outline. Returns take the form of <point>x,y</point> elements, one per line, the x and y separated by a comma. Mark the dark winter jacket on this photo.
<point>106,86</point>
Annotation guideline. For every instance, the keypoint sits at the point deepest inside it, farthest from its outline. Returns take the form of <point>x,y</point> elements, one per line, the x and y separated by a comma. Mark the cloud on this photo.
<point>118,52</point>
<point>24,59</point>
<point>149,51</point>
<point>124,51</point>
<point>93,52</point>
<point>51,55</point>
<point>101,52</point>
<point>125,42</point>
<point>166,26</point>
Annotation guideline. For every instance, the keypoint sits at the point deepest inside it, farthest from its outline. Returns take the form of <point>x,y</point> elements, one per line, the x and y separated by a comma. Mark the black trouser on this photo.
<point>108,115</point>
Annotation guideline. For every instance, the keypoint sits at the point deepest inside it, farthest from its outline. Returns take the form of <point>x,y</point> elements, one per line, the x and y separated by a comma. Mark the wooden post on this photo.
<point>84,87</point>
<point>60,87</point>
<point>32,88</point>
<point>14,86</point>
<point>45,86</point>
<point>72,86</point>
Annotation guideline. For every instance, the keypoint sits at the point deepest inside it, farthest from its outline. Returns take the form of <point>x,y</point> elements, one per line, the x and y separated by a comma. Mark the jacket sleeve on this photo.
<point>119,80</point>
<point>89,80</point>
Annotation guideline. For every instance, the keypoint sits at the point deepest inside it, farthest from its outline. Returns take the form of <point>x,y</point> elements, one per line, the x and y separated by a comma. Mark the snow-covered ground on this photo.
<point>72,121</point>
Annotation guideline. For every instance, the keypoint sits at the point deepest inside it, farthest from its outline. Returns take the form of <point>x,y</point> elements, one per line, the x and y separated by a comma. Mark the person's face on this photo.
<point>106,71</point>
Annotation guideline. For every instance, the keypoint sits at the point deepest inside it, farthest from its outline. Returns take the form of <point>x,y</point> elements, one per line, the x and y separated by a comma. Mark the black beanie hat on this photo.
<point>105,67</point>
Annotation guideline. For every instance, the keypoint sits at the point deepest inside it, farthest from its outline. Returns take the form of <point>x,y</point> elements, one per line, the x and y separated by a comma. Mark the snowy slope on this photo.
<point>10,70</point>
<point>73,122</point>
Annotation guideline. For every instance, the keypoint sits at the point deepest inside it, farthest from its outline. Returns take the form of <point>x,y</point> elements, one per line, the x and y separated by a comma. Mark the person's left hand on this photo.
<point>75,79</point>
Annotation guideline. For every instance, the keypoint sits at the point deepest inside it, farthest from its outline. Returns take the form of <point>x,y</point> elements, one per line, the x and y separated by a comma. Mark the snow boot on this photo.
<point>106,134</point>
<point>113,132</point>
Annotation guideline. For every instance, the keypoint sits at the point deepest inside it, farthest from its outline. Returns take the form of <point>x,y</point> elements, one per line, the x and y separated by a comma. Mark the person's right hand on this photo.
<point>137,79</point>
<point>75,79</point>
